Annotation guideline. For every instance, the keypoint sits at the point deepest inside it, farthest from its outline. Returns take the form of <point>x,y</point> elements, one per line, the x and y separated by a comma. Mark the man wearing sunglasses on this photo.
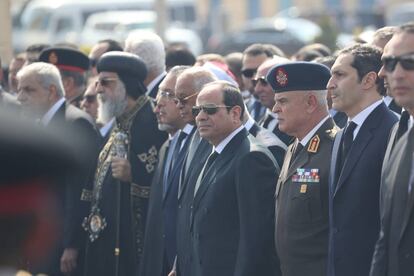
<point>115,223</point>
<point>232,215</point>
<point>253,56</point>
<point>301,229</point>
<point>357,157</point>
<point>264,92</point>
<point>393,251</point>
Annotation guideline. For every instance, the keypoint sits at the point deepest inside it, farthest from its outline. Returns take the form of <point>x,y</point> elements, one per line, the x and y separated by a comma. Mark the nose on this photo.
<point>20,97</point>
<point>381,73</point>
<point>202,116</point>
<point>331,84</point>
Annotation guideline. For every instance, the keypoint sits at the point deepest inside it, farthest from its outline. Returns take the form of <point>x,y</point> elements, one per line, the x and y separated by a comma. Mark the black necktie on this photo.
<point>402,125</point>
<point>298,149</point>
<point>210,161</point>
<point>266,122</point>
<point>177,148</point>
<point>257,108</point>
<point>347,140</point>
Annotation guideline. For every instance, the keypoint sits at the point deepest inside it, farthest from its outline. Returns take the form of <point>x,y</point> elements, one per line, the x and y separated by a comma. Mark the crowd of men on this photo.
<point>250,164</point>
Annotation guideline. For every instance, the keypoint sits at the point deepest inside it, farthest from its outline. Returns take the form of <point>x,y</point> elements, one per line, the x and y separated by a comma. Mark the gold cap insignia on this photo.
<point>314,144</point>
<point>53,58</point>
<point>281,77</point>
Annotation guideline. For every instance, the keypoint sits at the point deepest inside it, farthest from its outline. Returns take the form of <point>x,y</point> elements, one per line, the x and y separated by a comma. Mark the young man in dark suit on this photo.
<point>357,159</point>
<point>393,251</point>
<point>301,231</point>
<point>232,216</point>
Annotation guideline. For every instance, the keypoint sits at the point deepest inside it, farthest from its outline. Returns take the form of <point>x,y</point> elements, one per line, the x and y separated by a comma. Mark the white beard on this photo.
<point>109,108</point>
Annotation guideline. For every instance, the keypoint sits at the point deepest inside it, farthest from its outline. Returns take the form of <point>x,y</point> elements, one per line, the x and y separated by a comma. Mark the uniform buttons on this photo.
<point>179,206</point>
<point>336,230</point>
<point>407,255</point>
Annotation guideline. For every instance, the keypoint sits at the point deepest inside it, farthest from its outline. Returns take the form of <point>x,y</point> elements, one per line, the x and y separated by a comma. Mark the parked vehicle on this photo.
<point>53,21</point>
<point>118,24</point>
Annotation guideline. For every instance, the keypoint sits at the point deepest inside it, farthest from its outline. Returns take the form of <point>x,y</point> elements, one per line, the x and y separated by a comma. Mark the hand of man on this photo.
<point>68,260</point>
<point>121,169</point>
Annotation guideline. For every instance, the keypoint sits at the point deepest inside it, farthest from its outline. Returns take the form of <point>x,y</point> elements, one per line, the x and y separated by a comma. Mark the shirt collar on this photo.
<point>311,133</point>
<point>360,118</point>
<point>154,82</point>
<point>104,130</point>
<point>249,124</point>
<point>220,147</point>
<point>52,111</point>
<point>387,100</point>
<point>188,128</point>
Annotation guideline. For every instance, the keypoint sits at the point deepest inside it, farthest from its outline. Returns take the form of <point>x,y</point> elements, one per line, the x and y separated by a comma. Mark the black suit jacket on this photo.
<point>154,91</point>
<point>354,196</point>
<point>83,138</point>
<point>302,208</point>
<point>231,223</point>
<point>160,238</point>
<point>394,250</point>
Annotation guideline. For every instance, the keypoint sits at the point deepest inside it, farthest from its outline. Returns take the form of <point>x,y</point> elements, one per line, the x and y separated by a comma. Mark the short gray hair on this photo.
<point>149,47</point>
<point>47,74</point>
<point>320,96</point>
<point>200,76</point>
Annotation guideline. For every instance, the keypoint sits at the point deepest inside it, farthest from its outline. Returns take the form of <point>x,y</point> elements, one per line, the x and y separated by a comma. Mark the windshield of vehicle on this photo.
<point>36,19</point>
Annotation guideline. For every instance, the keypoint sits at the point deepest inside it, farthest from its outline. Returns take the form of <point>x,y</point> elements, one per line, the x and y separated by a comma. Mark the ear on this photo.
<point>235,112</point>
<point>369,80</point>
<point>52,92</point>
<point>311,103</point>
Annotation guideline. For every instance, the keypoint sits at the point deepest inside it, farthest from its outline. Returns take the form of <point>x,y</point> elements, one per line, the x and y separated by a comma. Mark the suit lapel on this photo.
<point>285,168</point>
<point>361,141</point>
<point>223,159</point>
<point>407,156</point>
<point>178,165</point>
<point>334,161</point>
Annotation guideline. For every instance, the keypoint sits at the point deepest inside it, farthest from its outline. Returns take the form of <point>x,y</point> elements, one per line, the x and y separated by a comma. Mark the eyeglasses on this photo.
<point>105,81</point>
<point>261,79</point>
<point>184,100</point>
<point>166,94</point>
<point>249,73</point>
<point>210,109</point>
<point>90,98</point>
<point>406,62</point>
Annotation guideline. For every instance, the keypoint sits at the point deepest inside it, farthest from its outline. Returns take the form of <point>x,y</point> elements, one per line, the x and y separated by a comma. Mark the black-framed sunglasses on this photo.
<point>105,82</point>
<point>210,109</point>
<point>249,73</point>
<point>262,80</point>
<point>184,100</point>
<point>406,61</point>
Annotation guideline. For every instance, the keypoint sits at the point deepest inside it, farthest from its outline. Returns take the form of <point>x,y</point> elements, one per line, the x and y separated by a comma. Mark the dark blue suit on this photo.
<point>160,239</point>
<point>354,218</point>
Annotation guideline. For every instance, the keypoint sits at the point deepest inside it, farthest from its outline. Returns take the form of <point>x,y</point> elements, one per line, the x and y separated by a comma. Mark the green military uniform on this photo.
<point>301,232</point>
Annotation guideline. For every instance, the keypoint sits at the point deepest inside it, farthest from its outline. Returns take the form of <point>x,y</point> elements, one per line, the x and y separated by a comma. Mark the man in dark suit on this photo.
<point>301,231</point>
<point>393,252</point>
<point>160,239</point>
<point>41,95</point>
<point>231,219</point>
<point>356,160</point>
<point>150,48</point>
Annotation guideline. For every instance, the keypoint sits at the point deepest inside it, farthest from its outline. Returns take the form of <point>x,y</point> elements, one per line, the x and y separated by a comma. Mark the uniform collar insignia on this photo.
<point>314,144</point>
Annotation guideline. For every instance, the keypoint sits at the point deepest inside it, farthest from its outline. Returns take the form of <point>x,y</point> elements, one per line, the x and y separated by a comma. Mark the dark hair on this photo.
<point>267,49</point>
<point>231,96</point>
<point>179,56</point>
<point>367,58</point>
<point>327,61</point>
<point>113,45</point>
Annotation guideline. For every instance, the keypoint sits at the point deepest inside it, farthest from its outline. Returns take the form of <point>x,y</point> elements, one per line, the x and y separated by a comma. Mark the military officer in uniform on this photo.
<point>301,231</point>
<point>119,197</point>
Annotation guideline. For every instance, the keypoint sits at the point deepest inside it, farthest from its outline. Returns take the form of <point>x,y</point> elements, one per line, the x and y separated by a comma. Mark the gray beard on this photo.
<point>109,108</point>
